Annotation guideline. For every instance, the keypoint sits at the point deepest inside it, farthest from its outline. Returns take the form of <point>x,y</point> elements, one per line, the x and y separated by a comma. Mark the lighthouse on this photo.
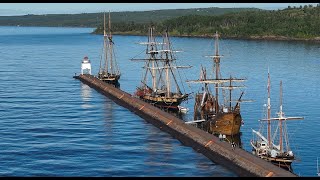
<point>86,66</point>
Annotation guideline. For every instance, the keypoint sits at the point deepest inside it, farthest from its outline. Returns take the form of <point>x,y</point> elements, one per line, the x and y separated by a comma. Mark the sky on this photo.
<point>10,9</point>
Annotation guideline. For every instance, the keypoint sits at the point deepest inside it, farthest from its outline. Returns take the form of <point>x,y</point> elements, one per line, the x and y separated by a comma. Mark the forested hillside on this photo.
<point>96,19</point>
<point>290,23</point>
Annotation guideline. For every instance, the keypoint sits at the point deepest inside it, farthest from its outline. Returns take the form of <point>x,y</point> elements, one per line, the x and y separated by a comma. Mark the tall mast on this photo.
<point>217,64</point>
<point>153,59</point>
<point>167,47</point>
<point>110,44</point>
<point>280,119</point>
<point>105,42</point>
<point>104,25</point>
<point>269,111</point>
<point>230,93</point>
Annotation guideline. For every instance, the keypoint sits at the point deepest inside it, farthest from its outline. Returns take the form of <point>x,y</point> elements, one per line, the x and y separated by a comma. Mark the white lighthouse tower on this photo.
<point>86,66</point>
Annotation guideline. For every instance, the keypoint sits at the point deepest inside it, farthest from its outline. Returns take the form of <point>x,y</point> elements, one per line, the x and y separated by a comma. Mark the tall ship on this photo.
<point>274,147</point>
<point>216,117</point>
<point>159,85</point>
<point>108,70</point>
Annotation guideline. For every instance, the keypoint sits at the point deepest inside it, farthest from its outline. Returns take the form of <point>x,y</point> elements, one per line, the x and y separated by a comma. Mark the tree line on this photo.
<point>292,22</point>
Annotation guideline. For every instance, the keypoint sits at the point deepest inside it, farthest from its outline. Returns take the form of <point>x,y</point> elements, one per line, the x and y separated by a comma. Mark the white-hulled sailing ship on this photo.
<point>266,147</point>
<point>108,71</point>
<point>159,84</point>
<point>217,118</point>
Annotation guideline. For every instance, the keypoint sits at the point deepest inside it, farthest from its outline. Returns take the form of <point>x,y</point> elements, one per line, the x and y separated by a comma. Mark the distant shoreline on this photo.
<point>267,38</point>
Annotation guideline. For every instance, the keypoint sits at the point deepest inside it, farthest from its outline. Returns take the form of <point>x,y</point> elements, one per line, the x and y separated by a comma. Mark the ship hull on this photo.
<point>111,79</point>
<point>280,161</point>
<point>162,102</point>
<point>225,123</point>
<point>171,106</point>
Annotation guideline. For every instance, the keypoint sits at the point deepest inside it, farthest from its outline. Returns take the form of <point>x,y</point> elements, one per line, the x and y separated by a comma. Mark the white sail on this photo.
<point>276,146</point>
<point>203,98</point>
<point>265,139</point>
<point>260,135</point>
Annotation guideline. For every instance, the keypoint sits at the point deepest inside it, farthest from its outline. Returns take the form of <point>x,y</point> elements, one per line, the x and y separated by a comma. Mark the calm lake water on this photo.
<point>53,125</point>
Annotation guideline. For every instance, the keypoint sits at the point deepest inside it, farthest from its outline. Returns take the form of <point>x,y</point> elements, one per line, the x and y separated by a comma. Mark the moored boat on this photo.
<point>159,85</point>
<point>108,71</point>
<point>267,147</point>
<point>219,118</point>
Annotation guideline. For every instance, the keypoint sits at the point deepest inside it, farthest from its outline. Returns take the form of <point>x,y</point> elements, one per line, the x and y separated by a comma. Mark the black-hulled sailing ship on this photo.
<point>159,84</point>
<point>215,117</point>
<point>275,147</point>
<point>108,71</point>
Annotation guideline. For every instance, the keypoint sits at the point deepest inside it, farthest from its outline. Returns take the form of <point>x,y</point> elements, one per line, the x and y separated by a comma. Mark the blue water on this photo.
<point>53,125</point>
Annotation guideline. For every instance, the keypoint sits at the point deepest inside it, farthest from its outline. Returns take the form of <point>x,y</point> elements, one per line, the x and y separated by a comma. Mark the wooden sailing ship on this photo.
<point>159,85</point>
<point>215,117</point>
<point>108,71</point>
<point>266,148</point>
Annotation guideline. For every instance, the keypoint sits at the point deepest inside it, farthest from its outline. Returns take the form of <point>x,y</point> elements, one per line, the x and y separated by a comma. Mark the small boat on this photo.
<point>183,109</point>
<point>108,71</point>
<point>271,147</point>
<point>220,118</point>
<point>159,84</point>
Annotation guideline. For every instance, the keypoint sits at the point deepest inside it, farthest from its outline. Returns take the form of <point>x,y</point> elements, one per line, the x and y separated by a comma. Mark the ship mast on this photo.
<point>105,36</point>
<point>280,119</point>
<point>217,80</point>
<point>269,112</point>
<point>151,61</point>
<point>168,59</point>
<point>153,74</point>
<point>217,65</point>
<point>230,94</point>
<point>110,45</point>
<point>167,47</point>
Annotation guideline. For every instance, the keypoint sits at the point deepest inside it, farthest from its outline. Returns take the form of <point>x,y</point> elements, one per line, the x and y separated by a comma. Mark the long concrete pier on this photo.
<point>236,159</point>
